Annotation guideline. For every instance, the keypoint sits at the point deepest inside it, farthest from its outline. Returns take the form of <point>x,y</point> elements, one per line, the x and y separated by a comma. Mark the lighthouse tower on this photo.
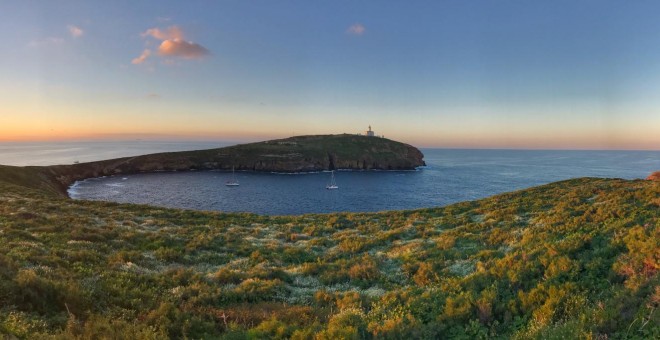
<point>369,132</point>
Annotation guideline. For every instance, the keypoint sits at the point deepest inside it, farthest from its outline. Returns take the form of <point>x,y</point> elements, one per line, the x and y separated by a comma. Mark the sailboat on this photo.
<point>333,184</point>
<point>233,182</point>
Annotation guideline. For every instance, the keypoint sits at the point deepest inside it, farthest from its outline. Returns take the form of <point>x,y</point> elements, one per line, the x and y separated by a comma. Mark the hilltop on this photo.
<point>294,154</point>
<point>572,259</point>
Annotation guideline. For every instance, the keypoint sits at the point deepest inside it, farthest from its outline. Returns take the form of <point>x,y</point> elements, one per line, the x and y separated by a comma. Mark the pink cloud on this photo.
<point>173,44</point>
<point>182,49</point>
<point>172,32</point>
<point>75,31</point>
<point>139,60</point>
<point>356,29</point>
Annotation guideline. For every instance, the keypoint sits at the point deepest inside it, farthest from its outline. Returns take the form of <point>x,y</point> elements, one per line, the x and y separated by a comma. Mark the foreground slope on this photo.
<point>578,258</point>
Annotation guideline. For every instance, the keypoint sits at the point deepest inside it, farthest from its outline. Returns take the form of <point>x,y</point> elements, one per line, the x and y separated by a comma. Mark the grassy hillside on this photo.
<point>34,177</point>
<point>573,259</point>
<point>327,152</point>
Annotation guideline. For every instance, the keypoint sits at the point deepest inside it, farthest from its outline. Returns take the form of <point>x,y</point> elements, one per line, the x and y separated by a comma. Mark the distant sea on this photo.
<point>450,176</point>
<point>52,153</point>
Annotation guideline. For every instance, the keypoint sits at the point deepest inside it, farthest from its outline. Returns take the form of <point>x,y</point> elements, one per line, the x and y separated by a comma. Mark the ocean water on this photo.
<point>450,176</point>
<point>53,153</point>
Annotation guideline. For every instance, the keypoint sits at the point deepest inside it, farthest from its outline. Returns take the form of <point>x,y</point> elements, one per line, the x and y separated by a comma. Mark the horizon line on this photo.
<point>238,141</point>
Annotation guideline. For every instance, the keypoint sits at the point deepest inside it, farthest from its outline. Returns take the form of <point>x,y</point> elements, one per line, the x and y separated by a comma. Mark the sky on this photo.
<point>463,74</point>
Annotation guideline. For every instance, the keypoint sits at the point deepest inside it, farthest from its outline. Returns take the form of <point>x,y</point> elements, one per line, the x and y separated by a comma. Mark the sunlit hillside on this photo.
<point>578,258</point>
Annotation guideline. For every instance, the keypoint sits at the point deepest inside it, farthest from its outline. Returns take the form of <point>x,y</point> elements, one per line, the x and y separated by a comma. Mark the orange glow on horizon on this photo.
<point>127,126</point>
<point>457,141</point>
<point>73,135</point>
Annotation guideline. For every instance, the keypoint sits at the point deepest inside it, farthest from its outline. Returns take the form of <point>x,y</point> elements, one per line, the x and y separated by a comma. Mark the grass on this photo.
<point>577,258</point>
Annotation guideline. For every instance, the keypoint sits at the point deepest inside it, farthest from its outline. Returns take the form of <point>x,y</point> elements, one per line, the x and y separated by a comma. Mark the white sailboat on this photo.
<point>333,184</point>
<point>233,182</point>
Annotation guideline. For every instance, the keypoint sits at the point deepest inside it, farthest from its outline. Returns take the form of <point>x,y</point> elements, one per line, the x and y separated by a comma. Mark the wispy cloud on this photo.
<point>172,32</point>
<point>173,45</point>
<point>139,60</point>
<point>356,29</point>
<point>46,42</point>
<point>75,31</point>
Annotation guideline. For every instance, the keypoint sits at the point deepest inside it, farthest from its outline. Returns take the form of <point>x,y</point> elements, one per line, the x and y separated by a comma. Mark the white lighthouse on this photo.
<point>369,132</point>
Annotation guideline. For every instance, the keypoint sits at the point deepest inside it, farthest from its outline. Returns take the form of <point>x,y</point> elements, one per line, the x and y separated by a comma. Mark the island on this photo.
<point>294,154</point>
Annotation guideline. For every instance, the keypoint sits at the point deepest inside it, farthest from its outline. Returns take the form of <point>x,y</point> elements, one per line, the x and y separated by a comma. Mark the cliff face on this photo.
<point>654,176</point>
<point>295,154</point>
<point>314,153</point>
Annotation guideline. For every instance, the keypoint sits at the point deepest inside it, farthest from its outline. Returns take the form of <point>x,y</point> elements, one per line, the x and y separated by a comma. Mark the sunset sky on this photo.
<point>483,74</point>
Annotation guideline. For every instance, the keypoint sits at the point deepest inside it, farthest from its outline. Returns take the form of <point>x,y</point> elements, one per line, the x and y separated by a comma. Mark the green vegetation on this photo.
<point>327,152</point>
<point>573,259</point>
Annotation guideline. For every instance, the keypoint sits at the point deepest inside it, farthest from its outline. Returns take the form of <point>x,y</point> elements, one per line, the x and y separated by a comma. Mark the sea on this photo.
<point>450,176</point>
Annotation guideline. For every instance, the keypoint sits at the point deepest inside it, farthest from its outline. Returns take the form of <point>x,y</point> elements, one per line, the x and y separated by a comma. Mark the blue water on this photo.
<point>451,176</point>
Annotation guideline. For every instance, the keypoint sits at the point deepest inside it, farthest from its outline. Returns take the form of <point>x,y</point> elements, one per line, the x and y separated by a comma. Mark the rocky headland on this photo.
<point>295,154</point>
